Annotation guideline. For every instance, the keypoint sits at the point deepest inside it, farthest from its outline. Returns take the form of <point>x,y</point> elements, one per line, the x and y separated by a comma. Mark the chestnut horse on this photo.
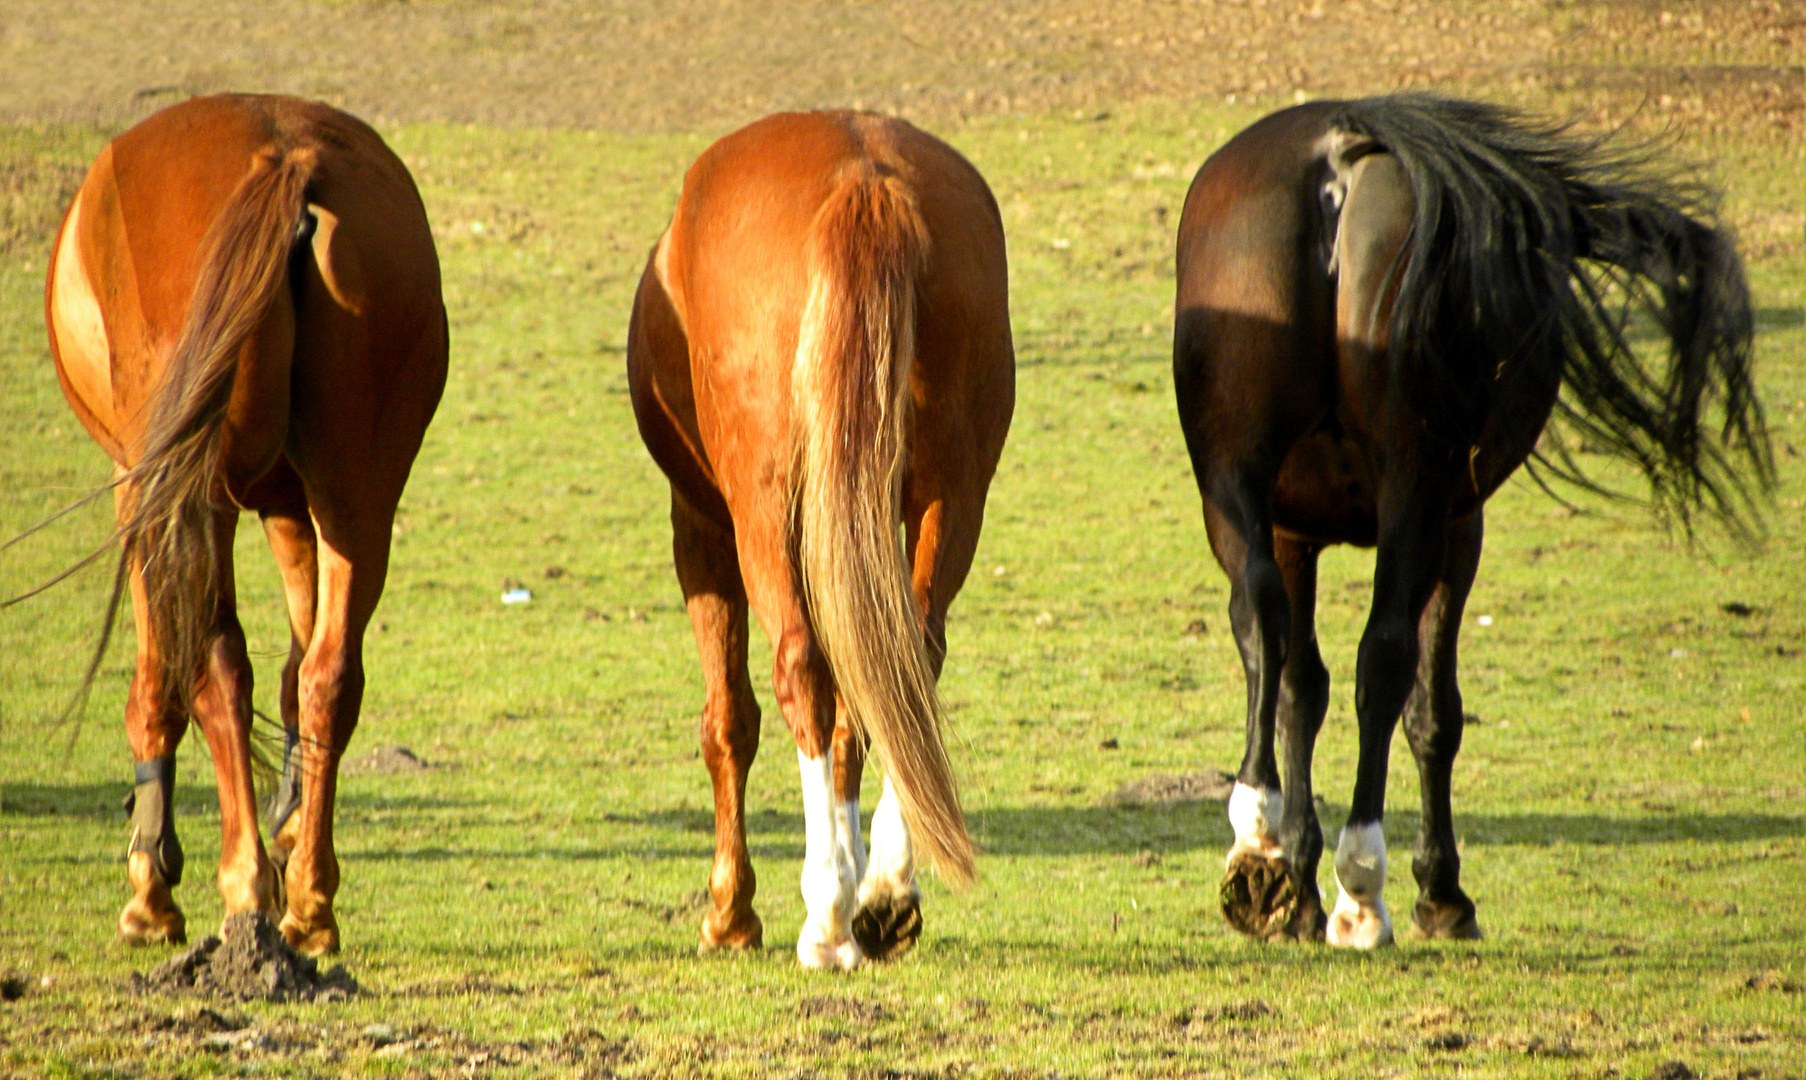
<point>244,309</point>
<point>820,350</point>
<point>1380,303</point>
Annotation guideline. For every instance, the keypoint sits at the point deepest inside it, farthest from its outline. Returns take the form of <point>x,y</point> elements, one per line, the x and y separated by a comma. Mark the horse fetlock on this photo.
<point>1446,921</point>
<point>731,930</point>
<point>153,818</point>
<point>151,916</point>
<point>258,887</point>
<point>1255,813</point>
<point>313,933</point>
<point>1360,919</point>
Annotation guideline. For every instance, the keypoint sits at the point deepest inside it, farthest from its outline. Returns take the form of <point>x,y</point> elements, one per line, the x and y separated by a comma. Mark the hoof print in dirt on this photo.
<point>887,928</point>
<point>253,962</point>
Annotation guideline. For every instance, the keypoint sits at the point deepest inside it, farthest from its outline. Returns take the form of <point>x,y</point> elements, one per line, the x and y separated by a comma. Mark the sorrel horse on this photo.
<point>1380,303</point>
<point>820,350</point>
<point>244,309</point>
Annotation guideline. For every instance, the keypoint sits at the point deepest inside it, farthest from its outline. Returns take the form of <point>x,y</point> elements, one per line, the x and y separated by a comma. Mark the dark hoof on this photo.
<point>887,926</point>
<point>1262,897</point>
<point>1448,922</point>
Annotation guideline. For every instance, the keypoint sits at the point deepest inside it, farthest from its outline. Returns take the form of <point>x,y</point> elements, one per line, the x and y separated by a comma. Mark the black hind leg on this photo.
<point>1303,701</point>
<point>1269,888</point>
<point>1433,721</point>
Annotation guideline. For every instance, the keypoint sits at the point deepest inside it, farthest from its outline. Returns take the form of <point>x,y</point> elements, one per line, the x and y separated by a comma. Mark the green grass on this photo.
<point>1632,804</point>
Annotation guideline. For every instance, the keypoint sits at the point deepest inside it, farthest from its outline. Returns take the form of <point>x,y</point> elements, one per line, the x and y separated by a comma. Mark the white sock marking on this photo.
<point>1254,813</point>
<point>1360,920</point>
<point>828,882</point>
<point>893,864</point>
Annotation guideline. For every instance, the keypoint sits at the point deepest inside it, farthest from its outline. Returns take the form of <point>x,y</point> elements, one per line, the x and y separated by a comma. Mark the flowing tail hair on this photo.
<point>1533,245</point>
<point>166,528</point>
<point>855,351</point>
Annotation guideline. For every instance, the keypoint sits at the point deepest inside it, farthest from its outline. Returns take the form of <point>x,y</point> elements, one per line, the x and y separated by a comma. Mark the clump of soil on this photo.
<point>834,1008</point>
<point>253,962</point>
<point>1163,789</point>
<point>385,761</point>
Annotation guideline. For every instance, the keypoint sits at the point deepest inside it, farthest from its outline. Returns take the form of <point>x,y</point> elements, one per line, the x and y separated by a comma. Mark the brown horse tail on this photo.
<point>167,528</point>
<point>855,351</point>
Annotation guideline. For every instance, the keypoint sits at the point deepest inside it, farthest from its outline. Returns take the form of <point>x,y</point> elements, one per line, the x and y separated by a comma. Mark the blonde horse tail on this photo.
<point>166,528</point>
<point>850,386</point>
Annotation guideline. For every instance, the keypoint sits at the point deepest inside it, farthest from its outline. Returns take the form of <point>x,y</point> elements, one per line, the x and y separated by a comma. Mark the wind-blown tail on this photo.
<point>167,530</point>
<point>850,385</point>
<point>1534,245</point>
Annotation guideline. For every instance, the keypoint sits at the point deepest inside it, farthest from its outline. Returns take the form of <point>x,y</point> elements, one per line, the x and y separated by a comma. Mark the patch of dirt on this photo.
<point>1236,1012</point>
<point>252,963</point>
<point>850,1009</point>
<point>1163,789</point>
<point>385,761</point>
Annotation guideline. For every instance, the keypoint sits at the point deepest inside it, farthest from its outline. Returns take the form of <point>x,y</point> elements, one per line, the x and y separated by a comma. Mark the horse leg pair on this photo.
<point>322,685</point>
<point>859,906</point>
<point>1407,662</point>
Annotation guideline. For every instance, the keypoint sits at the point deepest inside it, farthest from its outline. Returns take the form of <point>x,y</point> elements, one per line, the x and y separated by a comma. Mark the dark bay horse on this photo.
<point>820,351</point>
<point>245,313</point>
<point>1380,304</point>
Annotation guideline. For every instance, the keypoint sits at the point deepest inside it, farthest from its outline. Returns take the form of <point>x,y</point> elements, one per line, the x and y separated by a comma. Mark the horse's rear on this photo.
<point>820,350</point>
<point>1378,303</point>
<point>245,313</point>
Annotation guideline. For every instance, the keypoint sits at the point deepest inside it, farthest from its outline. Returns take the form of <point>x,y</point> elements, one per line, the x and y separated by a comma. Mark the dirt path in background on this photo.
<point>710,64</point>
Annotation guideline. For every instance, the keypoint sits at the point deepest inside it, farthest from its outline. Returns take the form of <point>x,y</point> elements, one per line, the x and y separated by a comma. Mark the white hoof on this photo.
<point>1355,924</point>
<point>818,954</point>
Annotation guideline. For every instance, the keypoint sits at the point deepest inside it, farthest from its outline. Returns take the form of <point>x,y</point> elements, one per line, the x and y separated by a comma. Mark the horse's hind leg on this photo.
<point>222,707</point>
<point>804,688</point>
<point>1433,722</point>
<point>1260,889</point>
<point>154,727</point>
<point>1413,519</point>
<point>716,599</point>
<point>942,525</point>
<point>1303,702</point>
<point>352,555</point>
<point>290,532</point>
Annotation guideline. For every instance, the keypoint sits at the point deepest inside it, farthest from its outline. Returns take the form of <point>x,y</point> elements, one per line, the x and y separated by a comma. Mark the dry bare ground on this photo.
<point>705,65</point>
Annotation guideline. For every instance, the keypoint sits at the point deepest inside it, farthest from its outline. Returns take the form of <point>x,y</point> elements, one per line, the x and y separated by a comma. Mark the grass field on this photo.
<point>1632,800</point>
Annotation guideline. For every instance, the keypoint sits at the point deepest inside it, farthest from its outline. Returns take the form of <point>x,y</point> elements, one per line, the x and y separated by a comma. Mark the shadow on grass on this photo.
<point>106,802</point>
<point>1009,831</point>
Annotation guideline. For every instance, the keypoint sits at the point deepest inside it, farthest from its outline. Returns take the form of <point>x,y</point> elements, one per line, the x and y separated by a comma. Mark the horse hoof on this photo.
<point>1445,922</point>
<point>829,955</point>
<point>1260,897</point>
<point>887,926</point>
<point>311,940</point>
<point>1357,925</point>
<point>732,935</point>
<point>139,924</point>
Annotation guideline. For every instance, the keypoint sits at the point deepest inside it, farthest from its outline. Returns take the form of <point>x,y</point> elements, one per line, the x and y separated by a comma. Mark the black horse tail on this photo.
<point>1534,245</point>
